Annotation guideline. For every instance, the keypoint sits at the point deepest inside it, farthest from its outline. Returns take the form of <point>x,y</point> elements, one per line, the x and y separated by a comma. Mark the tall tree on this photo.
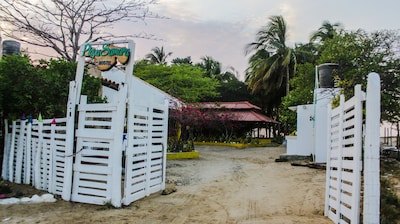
<point>180,61</point>
<point>211,66</point>
<point>64,25</point>
<point>280,63</point>
<point>185,82</point>
<point>158,56</point>
<point>359,53</point>
<point>325,32</point>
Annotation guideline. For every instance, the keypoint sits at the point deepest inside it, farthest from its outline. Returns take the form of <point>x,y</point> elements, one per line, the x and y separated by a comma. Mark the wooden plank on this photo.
<point>92,169</point>
<point>97,107</point>
<point>91,176</point>
<point>100,135</point>
<point>93,192</point>
<point>93,184</point>
<point>348,164</point>
<point>347,176</point>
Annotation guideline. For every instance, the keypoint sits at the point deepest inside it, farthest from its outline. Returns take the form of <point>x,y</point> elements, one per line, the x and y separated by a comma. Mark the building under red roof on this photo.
<point>244,113</point>
<point>239,111</point>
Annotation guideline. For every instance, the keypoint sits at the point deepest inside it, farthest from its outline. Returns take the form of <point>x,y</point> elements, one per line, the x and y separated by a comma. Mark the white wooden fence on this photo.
<point>34,153</point>
<point>85,163</point>
<point>344,163</point>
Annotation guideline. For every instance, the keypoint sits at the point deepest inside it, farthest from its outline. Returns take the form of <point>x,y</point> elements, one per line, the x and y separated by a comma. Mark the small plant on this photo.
<point>390,203</point>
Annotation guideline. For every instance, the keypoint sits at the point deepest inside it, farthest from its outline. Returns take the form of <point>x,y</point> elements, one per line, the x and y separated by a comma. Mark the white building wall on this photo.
<point>324,97</point>
<point>302,144</point>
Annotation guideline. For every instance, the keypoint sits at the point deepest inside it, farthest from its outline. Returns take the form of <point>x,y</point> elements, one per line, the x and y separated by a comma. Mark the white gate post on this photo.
<point>116,158</point>
<point>371,153</point>
<point>69,141</point>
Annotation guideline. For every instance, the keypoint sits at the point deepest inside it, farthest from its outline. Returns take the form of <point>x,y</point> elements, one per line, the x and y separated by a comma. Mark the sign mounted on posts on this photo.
<point>108,56</point>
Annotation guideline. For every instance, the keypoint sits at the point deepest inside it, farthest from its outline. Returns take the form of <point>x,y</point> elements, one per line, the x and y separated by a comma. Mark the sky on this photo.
<point>221,29</point>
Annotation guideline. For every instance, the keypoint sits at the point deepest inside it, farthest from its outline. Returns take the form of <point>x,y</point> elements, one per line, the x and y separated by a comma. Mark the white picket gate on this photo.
<point>86,164</point>
<point>97,168</point>
<point>344,163</point>
<point>145,162</point>
<point>344,172</point>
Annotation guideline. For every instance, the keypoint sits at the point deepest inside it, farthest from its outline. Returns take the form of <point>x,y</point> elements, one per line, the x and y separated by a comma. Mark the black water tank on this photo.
<point>11,47</point>
<point>326,73</point>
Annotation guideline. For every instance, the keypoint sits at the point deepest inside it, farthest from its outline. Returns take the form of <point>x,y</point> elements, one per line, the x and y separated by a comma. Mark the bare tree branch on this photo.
<point>64,25</point>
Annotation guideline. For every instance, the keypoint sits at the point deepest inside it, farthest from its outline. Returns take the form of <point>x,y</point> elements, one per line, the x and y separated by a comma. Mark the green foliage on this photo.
<point>359,53</point>
<point>17,75</point>
<point>187,60</point>
<point>28,89</point>
<point>159,56</point>
<point>389,203</point>
<point>183,81</point>
<point>211,67</point>
<point>230,89</point>
<point>272,64</point>
<point>302,93</point>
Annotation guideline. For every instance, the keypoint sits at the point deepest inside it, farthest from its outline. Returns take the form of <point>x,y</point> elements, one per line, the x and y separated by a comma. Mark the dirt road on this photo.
<point>225,185</point>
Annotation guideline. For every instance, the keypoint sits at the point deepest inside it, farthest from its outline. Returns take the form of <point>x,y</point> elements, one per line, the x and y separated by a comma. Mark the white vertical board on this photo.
<point>344,166</point>
<point>20,153</point>
<point>146,144</point>
<point>371,152</point>
<point>6,151</point>
<point>70,134</point>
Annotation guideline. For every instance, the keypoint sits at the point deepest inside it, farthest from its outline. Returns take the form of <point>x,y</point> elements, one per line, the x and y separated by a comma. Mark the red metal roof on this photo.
<point>230,105</point>
<point>238,111</point>
<point>250,116</point>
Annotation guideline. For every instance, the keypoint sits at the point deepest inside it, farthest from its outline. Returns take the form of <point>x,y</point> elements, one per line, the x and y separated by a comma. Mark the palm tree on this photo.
<point>273,62</point>
<point>325,32</point>
<point>211,66</point>
<point>158,56</point>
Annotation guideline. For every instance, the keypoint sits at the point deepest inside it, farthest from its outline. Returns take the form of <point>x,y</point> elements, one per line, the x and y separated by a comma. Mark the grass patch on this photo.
<point>390,203</point>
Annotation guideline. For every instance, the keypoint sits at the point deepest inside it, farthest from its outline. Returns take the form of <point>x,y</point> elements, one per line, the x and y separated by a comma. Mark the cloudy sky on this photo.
<point>222,28</point>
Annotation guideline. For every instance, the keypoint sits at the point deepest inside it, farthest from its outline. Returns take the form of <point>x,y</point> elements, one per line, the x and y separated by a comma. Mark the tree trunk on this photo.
<point>287,81</point>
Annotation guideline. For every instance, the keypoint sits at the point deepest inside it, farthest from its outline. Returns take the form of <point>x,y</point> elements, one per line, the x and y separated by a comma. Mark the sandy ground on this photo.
<point>225,185</point>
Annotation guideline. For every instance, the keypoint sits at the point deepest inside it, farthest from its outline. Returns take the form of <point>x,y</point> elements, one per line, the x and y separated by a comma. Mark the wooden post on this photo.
<point>20,152</point>
<point>38,159</point>
<point>28,153</point>
<point>12,152</point>
<point>4,170</point>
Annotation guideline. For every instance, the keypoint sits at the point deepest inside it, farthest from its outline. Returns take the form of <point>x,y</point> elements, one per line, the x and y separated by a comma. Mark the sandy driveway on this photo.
<point>225,185</point>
